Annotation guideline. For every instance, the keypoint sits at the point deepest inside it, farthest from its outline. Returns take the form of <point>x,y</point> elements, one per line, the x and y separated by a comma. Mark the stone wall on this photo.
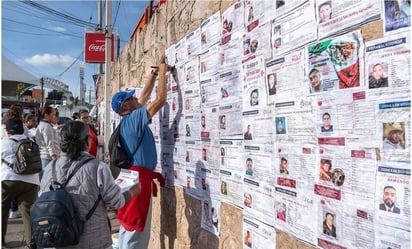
<point>176,216</point>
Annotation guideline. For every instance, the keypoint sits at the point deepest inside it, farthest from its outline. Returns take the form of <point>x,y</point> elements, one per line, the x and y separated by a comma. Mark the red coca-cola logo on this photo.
<point>97,48</point>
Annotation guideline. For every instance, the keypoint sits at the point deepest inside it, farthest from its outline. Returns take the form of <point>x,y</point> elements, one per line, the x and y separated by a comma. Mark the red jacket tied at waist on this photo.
<point>133,215</point>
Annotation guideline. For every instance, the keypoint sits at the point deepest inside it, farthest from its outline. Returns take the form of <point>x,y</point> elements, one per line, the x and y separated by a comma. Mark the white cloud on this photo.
<point>58,29</point>
<point>50,60</point>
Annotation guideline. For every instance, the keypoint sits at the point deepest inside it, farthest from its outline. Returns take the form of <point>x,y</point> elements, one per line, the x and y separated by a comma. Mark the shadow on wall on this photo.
<point>199,237</point>
<point>168,230</point>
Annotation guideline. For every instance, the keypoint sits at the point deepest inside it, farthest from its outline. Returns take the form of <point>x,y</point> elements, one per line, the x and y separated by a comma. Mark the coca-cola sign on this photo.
<point>95,47</point>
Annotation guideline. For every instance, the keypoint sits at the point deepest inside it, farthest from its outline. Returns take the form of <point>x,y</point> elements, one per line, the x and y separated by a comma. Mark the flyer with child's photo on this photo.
<point>126,179</point>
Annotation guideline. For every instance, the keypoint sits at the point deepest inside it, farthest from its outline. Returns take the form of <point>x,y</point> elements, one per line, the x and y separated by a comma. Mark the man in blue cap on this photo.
<point>135,135</point>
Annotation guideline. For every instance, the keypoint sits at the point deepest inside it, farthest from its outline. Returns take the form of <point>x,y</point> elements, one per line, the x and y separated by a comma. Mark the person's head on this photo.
<point>224,25</point>
<point>315,79</point>
<point>187,104</point>
<point>223,119</point>
<point>55,118</point>
<point>329,219</point>
<point>326,165</point>
<point>283,165</point>
<point>278,42</point>
<point>14,111</point>
<point>249,164</point>
<point>187,128</point>
<point>248,199</point>
<point>14,126</point>
<point>124,102</point>
<point>84,116</point>
<point>250,16</point>
<point>48,113</point>
<point>203,121</point>
<point>280,124</point>
<point>326,120</point>
<point>325,11</point>
<point>75,138</point>
<point>30,121</point>
<point>223,187</point>
<point>254,97</point>
<point>75,116</point>
<point>271,80</point>
<point>394,132</point>
<point>389,196</point>
<point>377,71</point>
<point>248,129</point>
<point>204,154</point>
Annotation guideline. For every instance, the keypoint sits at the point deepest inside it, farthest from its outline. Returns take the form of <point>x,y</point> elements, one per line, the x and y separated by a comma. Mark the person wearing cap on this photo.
<point>21,187</point>
<point>393,137</point>
<point>135,135</point>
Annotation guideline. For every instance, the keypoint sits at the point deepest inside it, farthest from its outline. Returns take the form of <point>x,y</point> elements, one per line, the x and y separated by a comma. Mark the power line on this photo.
<point>50,30</point>
<point>68,18</point>
<point>77,59</point>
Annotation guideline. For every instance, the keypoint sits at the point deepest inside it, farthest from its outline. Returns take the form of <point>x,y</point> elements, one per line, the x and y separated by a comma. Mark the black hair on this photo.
<point>391,187</point>
<point>45,110</point>
<point>29,117</point>
<point>83,111</point>
<point>74,135</point>
<point>326,114</point>
<point>14,111</point>
<point>14,126</point>
<point>75,115</point>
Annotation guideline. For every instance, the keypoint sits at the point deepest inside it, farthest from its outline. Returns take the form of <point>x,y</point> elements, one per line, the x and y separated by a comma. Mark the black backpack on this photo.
<point>27,157</point>
<point>118,156</point>
<point>55,222</point>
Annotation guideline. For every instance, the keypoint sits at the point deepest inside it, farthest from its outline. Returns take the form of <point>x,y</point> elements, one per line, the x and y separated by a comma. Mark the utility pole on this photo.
<point>90,97</point>
<point>99,28</point>
<point>42,92</point>
<point>107,89</point>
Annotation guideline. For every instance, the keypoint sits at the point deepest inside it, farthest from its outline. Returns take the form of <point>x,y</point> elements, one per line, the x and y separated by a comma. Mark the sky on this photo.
<point>47,45</point>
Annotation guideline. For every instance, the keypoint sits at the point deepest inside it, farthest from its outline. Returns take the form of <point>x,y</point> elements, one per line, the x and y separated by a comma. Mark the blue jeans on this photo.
<point>135,239</point>
<point>14,206</point>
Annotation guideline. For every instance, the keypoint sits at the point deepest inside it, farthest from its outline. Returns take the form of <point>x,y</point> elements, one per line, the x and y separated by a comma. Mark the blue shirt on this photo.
<point>135,128</point>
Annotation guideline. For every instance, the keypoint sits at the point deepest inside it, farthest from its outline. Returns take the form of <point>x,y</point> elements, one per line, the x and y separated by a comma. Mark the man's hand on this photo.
<point>135,190</point>
<point>162,68</point>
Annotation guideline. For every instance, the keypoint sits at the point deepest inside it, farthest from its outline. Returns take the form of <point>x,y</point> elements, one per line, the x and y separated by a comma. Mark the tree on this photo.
<point>19,90</point>
<point>55,95</point>
<point>74,102</point>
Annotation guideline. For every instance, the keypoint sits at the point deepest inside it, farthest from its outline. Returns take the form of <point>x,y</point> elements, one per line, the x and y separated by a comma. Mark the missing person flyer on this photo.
<point>126,179</point>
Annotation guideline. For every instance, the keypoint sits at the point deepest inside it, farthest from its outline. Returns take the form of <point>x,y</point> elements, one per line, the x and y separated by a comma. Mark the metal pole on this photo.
<point>107,89</point>
<point>90,98</point>
<point>99,28</point>
<point>42,92</point>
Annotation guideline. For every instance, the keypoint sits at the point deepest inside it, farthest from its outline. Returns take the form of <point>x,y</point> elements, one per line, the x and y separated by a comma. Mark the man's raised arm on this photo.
<point>161,93</point>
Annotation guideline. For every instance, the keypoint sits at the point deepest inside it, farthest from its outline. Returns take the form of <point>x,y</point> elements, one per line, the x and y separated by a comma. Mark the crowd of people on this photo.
<point>63,146</point>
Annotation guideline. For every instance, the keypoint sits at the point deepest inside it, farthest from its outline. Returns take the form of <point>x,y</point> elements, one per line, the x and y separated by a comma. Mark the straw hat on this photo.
<point>392,127</point>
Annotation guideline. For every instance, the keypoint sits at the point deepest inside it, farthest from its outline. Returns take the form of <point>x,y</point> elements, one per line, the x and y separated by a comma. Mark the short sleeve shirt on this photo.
<point>135,128</point>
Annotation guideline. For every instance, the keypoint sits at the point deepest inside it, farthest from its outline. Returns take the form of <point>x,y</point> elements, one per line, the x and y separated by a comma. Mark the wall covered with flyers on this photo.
<point>287,123</point>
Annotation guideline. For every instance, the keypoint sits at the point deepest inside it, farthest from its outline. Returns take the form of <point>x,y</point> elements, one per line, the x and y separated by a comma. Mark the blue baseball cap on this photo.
<point>119,98</point>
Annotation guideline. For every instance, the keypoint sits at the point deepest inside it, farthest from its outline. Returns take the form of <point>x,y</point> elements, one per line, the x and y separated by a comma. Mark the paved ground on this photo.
<point>14,236</point>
